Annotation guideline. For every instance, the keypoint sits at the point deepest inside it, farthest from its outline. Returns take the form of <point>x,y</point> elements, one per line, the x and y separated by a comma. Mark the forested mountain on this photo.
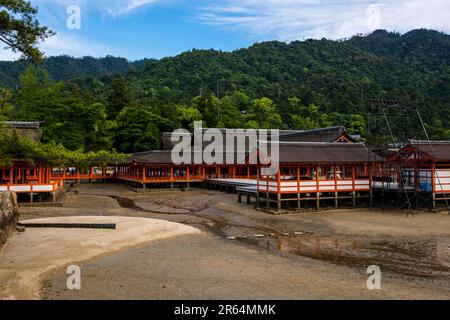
<point>300,85</point>
<point>68,68</point>
<point>331,74</point>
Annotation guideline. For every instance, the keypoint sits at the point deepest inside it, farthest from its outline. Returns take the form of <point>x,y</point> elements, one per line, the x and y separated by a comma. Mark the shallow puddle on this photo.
<point>424,259</point>
<point>127,203</point>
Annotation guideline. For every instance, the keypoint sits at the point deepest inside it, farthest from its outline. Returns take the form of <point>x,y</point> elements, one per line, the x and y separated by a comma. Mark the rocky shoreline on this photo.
<point>9,215</point>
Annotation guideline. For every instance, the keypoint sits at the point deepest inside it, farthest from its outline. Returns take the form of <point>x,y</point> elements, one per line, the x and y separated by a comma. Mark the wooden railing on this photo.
<point>32,188</point>
<point>312,186</point>
<point>80,176</point>
<point>442,181</point>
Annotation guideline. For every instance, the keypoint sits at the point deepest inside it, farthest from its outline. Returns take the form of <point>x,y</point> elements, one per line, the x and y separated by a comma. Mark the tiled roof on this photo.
<point>439,150</point>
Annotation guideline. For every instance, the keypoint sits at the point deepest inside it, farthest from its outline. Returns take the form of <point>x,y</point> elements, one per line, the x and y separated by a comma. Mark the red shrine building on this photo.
<point>315,168</point>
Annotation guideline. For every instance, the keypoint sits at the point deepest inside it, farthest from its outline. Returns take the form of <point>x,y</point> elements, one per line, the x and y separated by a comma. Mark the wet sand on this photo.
<point>206,267</point>
<point>28,257</point>
<point>303,255</point>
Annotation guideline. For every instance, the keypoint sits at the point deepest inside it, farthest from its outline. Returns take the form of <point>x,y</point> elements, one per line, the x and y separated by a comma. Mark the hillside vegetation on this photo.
<point>96,104</point>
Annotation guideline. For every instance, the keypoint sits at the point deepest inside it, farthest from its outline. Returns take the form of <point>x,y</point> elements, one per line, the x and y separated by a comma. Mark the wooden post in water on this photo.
<point>336,202</point>
<point>279,188</point>
<point>299,204</point>
<point>353,185</point>
<point>317,189</point>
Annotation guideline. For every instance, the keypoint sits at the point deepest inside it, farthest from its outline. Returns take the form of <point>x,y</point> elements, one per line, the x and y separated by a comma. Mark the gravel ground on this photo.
<point>206,267</point>
<point>302,255</point>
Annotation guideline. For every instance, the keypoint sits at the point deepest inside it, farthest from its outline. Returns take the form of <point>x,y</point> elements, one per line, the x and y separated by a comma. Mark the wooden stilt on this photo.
<point>279,201</point>
<point>317,188</point>
<point>353,185</point>
<point>354,198</point>
<point>371,198</point>
<point>434,200</point>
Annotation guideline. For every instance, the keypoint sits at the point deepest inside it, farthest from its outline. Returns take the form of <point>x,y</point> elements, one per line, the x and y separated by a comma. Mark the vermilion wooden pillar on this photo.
<point>41,174</point>
<point>49,172</point>
<point>370,168</point>
<point>317,187</point>
<point>433,184</point>
<point>335,168</point>
<point>279,188</point>
<point>353,185</point>
<point>299,205</point>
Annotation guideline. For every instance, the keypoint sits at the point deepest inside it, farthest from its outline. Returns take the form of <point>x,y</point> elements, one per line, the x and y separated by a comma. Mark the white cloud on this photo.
<point>8,55</point>
<point>64,44</point>
<point>129,6</point>
<point>296,19</point>
<point>73,46</point>
<point>113,7</point>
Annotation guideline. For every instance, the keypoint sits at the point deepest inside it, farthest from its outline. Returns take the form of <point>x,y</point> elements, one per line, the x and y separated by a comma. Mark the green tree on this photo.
<point>19,28</point>
<point>138,129</point>
<point>263,112</point>
<point>37,97</point>
<point>6,108</point>
<point>118,97</point>
<point>187,116</point>
<point>68,119</point>
<point>68,124</point>
<point>252,124</point>
<point>241,101</point>
<point>356,125</point>
<point>296,115</point>
<point>437,131</point>
<point>100,130</point>
<point>229,115</point>
<point>14,146</point>
<point>208,105</point>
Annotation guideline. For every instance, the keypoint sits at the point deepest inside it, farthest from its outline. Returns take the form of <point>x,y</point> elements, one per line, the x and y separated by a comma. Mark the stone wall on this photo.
<point>9,215</point>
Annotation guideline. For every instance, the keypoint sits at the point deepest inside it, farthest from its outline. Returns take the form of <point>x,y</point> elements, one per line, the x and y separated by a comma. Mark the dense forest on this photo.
<point>68,68</point>
<point>104,104</point>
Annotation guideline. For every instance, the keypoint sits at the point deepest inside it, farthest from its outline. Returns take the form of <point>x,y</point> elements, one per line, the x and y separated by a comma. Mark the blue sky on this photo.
<point>138,29</point>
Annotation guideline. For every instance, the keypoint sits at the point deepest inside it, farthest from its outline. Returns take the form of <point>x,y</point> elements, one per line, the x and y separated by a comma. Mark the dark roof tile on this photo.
<point>439,150</point>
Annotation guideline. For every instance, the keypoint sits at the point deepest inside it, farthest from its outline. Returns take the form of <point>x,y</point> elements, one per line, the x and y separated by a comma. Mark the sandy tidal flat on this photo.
<point>28,257</point>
